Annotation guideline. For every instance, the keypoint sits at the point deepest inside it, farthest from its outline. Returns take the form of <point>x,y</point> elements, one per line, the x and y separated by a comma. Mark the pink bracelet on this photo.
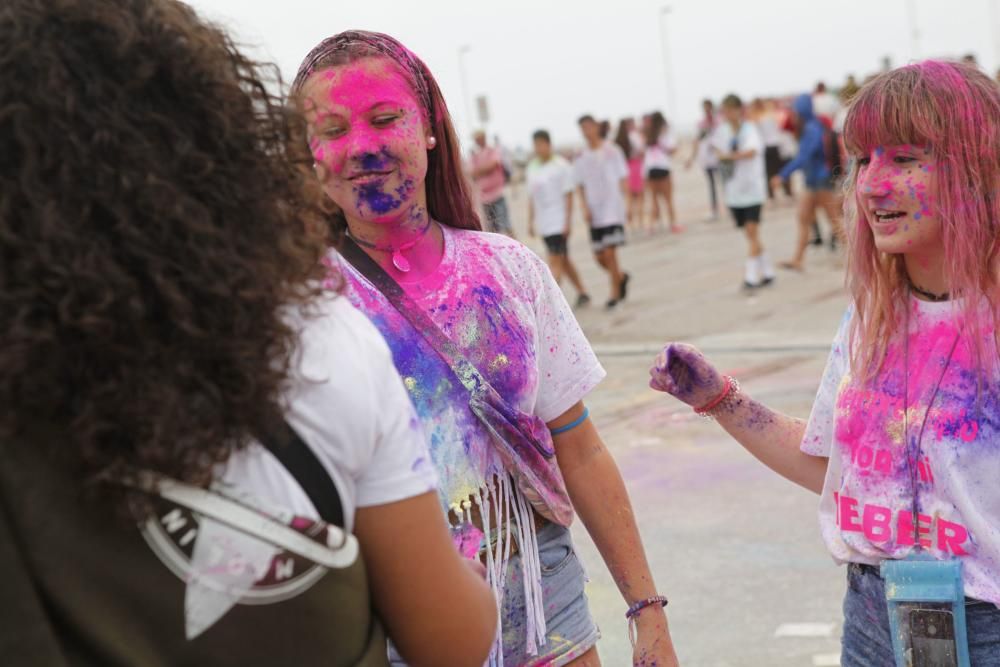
<point>732,387</point>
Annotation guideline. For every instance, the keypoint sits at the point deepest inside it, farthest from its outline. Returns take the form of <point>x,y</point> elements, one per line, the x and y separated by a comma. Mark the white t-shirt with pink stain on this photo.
<point>866,509</point>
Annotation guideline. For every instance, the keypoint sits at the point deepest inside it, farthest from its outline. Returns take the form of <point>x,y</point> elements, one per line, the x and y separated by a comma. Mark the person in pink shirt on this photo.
<point>488,175</point>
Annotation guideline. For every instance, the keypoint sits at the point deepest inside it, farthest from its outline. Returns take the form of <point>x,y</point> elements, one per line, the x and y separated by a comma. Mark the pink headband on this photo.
<point>378,42</point>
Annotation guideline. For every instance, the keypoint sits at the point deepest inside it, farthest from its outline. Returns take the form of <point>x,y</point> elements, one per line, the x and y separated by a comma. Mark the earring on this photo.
<point>431,142</point>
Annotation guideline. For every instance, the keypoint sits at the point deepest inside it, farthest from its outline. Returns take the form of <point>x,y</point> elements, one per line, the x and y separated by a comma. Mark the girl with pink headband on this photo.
<point>494,360</point>
<point>903,444</point>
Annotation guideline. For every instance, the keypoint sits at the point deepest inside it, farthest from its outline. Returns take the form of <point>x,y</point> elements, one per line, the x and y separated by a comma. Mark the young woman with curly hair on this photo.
<point>161,325</point>
<point>903,444</point>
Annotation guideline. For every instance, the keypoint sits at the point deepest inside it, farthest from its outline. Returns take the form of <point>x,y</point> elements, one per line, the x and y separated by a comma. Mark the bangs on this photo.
<point>886,112</point>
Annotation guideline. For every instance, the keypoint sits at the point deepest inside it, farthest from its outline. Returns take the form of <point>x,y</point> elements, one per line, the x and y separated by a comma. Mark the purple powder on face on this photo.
<point>377,161</point>
<point>372,196</point>
<point>378,201</point>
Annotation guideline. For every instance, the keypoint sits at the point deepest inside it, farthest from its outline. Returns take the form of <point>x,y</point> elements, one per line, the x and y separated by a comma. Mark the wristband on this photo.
<point>731,387</point>
<point>637,608</point>
<point>573,424</point>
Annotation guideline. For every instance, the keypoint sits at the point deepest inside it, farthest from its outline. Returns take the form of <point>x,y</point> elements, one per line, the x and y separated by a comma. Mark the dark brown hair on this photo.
<point>657,125</point>
<point>154,223</point>
<point>623,139</point>
<point>448,192</point>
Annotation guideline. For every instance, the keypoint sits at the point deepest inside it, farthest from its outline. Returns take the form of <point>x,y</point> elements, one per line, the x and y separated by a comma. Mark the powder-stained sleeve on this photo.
<point>818,439</point>
<point>400,466</point>
<point>568,369</point>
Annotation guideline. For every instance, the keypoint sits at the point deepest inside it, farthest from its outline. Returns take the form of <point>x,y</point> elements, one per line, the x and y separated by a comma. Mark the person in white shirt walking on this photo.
<point>602,175</point>
<point>702,152</point>
<point>738,145</point>
<point>550,210</point>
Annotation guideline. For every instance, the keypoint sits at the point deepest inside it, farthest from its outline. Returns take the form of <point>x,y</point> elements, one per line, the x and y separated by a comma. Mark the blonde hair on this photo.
<point>955,110</point>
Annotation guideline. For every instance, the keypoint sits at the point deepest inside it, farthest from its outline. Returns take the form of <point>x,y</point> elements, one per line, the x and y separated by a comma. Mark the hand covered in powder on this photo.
<point>682,371</point>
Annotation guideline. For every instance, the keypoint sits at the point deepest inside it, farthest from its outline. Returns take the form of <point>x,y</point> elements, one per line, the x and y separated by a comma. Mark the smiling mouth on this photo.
<point>885,215</point>
<point>369,176</point>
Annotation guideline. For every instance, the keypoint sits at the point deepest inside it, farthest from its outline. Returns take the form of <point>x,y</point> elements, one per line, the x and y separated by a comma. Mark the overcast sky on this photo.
<point>542,63</point>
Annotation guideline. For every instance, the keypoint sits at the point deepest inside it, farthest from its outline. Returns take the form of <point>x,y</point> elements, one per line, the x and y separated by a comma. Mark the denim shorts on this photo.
<point>570,629</point>
<point>867,639</point>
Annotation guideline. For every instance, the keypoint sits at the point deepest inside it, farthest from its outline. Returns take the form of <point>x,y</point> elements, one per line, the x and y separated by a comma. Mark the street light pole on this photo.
<point>469,120</point>
<point>668,70</point>
<point>911,11</point>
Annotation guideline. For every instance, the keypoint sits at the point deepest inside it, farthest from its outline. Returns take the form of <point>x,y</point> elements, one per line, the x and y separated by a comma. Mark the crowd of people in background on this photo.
<point>624,174</point>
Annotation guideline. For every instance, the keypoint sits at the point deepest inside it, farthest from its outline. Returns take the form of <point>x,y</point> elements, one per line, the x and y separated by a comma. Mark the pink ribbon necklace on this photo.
<point>398,260</point>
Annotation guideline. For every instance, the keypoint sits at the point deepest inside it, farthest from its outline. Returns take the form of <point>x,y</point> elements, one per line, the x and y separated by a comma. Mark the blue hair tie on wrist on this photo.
<point>573,424</point>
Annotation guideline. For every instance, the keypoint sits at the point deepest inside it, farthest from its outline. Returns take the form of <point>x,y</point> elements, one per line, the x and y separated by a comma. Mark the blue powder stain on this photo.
<point>376,161</point>
<point>916,216</point>
<point>879,151</point>
<point>371,195</point>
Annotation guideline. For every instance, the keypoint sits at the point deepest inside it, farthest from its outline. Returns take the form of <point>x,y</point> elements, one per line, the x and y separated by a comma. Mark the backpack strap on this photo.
<point>300,460</point>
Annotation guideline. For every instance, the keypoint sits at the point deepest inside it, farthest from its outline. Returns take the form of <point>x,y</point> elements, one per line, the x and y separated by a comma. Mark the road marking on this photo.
<point>826,660</point>
<point>804,630</point>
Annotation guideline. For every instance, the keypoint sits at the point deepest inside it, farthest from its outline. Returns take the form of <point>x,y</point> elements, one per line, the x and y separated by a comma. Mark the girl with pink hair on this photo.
<point>903,444</point>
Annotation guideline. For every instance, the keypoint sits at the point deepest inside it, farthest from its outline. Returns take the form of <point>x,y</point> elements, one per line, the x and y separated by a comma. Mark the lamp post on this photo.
<point>911,14</point>
<point>668,70</point>
<point>466,100</point>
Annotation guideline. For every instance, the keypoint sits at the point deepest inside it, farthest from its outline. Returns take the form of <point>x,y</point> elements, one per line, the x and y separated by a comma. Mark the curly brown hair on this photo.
<point>156,217</point>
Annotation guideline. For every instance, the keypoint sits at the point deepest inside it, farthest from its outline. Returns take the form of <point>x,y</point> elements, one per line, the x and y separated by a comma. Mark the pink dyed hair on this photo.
<point>955,109</point>
<point>448,192</point>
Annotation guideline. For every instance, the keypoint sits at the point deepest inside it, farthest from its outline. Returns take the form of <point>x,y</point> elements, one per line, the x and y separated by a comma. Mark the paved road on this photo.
<point>736,548</point>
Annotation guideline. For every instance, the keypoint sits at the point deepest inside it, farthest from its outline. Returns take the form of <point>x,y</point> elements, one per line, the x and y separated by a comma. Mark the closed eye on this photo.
<point>385,120</point>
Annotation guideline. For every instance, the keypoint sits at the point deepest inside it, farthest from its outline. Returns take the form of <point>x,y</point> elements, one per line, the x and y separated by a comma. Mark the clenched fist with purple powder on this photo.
<point>682,371</point>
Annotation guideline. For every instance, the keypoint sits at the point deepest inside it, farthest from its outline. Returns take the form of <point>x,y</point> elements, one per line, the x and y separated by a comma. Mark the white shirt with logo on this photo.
<point>866,510</point>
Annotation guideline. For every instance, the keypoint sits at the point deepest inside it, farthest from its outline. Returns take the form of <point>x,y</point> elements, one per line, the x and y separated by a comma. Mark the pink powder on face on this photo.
<point>367,130</point>
<point>894,179</point>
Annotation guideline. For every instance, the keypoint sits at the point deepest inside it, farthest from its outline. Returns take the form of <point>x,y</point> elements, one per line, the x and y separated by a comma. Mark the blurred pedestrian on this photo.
<point>629,140</point>
<point>740,150</point>
<point>702,153</point>
<point>550,210</point>
<point>657,161</point>
<point>602,175</point>
<point>815,145</point>
<point>490,177</point>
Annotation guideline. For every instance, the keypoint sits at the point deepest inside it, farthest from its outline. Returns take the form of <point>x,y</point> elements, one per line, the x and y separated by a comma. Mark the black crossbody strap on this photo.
<point>464,370</point>
<point>297,457</point>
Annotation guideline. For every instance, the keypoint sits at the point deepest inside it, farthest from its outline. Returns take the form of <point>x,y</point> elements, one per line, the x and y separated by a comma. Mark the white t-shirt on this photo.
<point>599,171</point>
<point>747,184</point>
<point>549,183</point>
<point>706,156</point>
<point>658,156</point>
<point>866,507</point>
<point>350,406</point>
<point>770,133</point>
<point>497,301</point>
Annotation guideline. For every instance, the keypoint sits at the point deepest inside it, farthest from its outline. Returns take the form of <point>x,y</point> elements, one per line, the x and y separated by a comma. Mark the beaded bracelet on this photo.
<point>637,608</point>
<point>731,388</point>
